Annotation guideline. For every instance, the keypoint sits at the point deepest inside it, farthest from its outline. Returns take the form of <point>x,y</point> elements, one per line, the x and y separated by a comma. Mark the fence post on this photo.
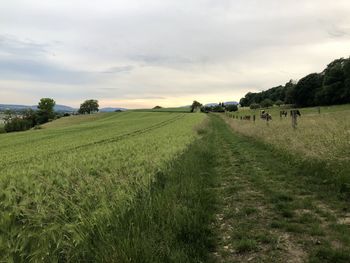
<point>294,119</point>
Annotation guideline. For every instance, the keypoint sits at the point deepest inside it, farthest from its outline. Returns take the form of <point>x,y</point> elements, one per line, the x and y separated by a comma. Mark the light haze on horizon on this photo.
<point>137,54</point>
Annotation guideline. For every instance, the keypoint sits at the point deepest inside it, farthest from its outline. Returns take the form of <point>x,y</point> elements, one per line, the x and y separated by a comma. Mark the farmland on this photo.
<point>142,186</point>
<point>63,184</point>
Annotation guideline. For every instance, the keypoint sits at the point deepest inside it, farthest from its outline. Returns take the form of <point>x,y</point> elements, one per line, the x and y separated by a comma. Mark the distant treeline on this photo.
<point>28,118</point>
<point>331,86</point>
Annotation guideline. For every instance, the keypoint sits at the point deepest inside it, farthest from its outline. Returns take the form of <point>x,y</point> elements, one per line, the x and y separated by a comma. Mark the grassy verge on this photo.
<point>170,221</point>
<point>319,146</point>
<point>273,209</point>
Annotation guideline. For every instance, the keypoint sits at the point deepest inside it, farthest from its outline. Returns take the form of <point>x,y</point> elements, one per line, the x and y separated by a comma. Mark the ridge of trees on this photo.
<point>330,87</point>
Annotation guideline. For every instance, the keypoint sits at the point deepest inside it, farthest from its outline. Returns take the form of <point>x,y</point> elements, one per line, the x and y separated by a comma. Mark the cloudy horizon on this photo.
<point>137,54</point>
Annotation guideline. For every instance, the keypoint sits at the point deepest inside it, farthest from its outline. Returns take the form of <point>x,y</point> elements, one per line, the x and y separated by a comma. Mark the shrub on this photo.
<point>254,106</point>
<point>17,124</point>
<point>278,103</point>
<point>218,108</point>
<point>266,103</point>
<point>231,107</point>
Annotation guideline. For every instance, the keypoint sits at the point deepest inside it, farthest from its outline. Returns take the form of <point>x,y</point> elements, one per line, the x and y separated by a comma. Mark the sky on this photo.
<point>138,54</point>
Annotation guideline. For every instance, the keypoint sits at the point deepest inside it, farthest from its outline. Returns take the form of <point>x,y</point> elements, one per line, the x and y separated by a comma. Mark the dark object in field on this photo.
<point>246,117</point>
<point>295,112</point>
<point>283,113</point>
<point>265,116</point>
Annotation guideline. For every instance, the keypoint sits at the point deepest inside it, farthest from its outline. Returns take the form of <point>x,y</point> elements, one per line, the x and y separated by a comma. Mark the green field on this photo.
<point>158,187</point>
<point>62,185</point>
<point>177,109</point>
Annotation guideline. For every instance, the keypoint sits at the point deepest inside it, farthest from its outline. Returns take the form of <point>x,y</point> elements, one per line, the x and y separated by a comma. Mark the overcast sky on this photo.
<point>134,54</point>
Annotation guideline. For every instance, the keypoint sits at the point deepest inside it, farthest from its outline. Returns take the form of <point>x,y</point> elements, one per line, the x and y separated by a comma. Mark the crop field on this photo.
<point>62,185</point>
<point>158,187</point>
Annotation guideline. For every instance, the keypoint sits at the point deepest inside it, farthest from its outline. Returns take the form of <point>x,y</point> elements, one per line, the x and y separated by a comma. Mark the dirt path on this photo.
<point>267,213</point>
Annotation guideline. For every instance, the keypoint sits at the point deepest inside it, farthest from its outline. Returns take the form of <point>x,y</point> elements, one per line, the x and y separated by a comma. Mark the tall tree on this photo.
<point>89,106</point>
<point>195,105</point>
<point>347,80</point>
<point>289,92</point>
<point>45,110</point>
<point>333,91</point>
<point>306,88</point>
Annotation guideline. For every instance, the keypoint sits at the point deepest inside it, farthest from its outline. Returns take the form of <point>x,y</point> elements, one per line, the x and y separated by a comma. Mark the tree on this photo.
<point>31,116</point>
<point>254,106</point>
<point>231,107</point>
<point>45,110</point>
<point>278,103</point>
<point>289,92</point>
<point>334,88</point>
<point>306,88</point>
<point>347,80</point>
<point>248,99</point>
<point>88,106</point>
<point>266,103</point>
<point>195,105</point>
<point>217,108</point>
<point>19,123</point>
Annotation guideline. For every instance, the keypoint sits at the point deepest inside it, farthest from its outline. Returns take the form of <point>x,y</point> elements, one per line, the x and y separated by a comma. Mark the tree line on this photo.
<point>330,87</point>
<point>221,107</point>
<point>29,118</point>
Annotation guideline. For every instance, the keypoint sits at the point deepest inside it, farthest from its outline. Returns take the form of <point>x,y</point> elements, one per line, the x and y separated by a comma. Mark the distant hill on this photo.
<point>231,103</point>
<point>211,104</point>
<point>111,109</point>
<point>64,108</point>
<point>14,107</point>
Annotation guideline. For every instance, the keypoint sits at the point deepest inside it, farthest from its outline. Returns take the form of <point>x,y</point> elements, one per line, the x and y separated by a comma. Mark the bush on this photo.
<point>17,124</point>
<point>231,107</point>
<point>218,108</point>
<point>278,103</point>
<point>266,103</point>
<point>254,106</point>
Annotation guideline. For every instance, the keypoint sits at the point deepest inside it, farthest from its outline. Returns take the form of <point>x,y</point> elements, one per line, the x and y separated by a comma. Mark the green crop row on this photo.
<point>62,185</point>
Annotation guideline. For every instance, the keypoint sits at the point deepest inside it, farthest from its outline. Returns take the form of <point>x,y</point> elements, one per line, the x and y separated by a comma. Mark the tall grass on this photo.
<point>62,188</point>
<point>170,220</point>
<point>321,142</point>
